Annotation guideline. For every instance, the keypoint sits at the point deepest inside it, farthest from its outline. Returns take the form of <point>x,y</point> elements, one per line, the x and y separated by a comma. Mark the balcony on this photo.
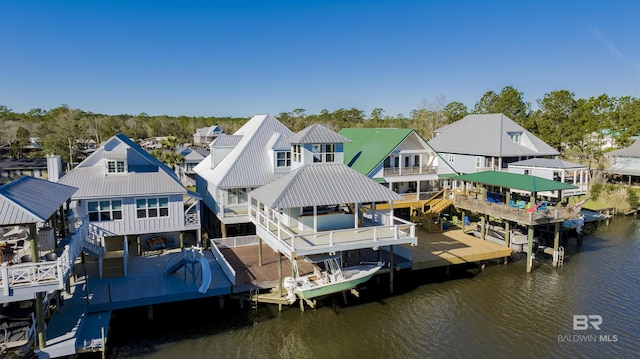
<point>21,281</point>
<point>409,171</point>
<point>379,229</point>
<point>514,214</point>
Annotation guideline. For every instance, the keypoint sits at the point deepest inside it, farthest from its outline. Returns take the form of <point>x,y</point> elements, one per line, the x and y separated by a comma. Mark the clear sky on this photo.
<point>244,57</point>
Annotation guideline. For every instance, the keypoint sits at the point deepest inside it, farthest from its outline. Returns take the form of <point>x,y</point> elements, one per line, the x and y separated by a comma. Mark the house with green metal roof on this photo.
<point>398,157</point>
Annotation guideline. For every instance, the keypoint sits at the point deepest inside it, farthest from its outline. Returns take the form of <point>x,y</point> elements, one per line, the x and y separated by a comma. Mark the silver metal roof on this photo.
<point>147,176</point>
<point>322,184</point>
<point>630,151</point>
<point>31,200</point>
<point>226,141</point>
<point>488,135</point>
<point>248,164</point>
<point>317,133</point>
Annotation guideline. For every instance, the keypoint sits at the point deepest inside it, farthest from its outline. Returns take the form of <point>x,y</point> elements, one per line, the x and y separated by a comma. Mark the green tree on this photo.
<point>455,111</point>
<point>553,119</point>
<point>509,102</point>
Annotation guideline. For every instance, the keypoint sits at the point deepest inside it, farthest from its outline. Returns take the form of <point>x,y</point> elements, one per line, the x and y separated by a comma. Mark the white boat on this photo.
<point>328,280</point>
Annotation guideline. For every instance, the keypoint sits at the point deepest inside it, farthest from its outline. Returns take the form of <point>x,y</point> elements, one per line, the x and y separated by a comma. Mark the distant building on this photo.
<point>204,136</point>
<point>624,164</point>
<point>11,168</point>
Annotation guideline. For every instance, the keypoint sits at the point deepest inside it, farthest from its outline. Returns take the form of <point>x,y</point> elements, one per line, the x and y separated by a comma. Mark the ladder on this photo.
<point>560,256</point>
<point>253,297</point>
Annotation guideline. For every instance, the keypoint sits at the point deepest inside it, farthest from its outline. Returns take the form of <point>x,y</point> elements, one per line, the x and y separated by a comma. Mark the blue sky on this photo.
<point>243,57</point>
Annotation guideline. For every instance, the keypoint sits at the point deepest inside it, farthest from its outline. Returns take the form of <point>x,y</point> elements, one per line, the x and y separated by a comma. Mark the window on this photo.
<point>152,207</point>
<point>323,152</point>
<point>297,157</point>
<point>283,159</point>
<point>115,166</point>
<point>452,158</point>
<point>236,196</point>
<point>479,161</point>
<point>515,136</point>
<point>102,211</point>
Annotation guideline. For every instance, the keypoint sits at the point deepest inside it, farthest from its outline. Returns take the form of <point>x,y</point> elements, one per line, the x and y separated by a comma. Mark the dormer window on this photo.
<point>515,136</point>
<point>115,166</point>
<point>297,153</point>
<point>283,159</point>
<point>323,152</point>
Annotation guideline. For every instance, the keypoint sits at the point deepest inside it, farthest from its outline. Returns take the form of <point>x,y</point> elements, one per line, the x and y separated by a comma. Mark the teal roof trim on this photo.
<point>370,146</point>
<point>514,181</point>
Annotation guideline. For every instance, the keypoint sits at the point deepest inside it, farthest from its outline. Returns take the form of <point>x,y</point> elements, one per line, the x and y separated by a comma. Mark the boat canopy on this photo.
<point>318,258</point>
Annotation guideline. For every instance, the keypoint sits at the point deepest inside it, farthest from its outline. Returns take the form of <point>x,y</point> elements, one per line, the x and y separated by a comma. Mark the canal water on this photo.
<point>589,308</point>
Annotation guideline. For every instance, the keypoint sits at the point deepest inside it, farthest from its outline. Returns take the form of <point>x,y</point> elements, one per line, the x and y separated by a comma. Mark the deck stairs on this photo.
<point>429,218</point>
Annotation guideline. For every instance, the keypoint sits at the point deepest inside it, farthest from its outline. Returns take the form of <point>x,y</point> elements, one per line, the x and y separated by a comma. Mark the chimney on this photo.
<point>54,167</point>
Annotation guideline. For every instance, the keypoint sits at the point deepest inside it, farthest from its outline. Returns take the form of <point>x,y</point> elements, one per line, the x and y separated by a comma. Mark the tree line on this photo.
<point>573,126</point>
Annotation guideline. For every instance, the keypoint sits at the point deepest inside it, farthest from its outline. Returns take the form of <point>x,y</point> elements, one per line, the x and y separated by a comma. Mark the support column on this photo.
<point>529,248</point>
<point>556,243</point>
<point>223,229</point>
<point>280,273</point>
<point>259,252</point>
<point>392,268</point>
<point>507,234</point>
<point>35,255</point>
<point>483,230</point>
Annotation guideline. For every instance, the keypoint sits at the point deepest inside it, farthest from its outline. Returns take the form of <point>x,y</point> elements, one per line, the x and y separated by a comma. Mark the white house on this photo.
<point>129,197</point>
<point>482,142</point>
<point>204,136</point>
<point>255,155</point>
<point>316,208</point>
<point>625,163</point>
<point>555,170</point>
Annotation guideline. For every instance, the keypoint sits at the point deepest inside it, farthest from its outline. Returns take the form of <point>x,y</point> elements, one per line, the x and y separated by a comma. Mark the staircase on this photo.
<point>431,220</point>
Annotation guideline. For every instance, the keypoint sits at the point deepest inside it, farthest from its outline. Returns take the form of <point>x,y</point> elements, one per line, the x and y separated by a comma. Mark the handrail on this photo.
<point>33,274</point>
<point>295,242</point>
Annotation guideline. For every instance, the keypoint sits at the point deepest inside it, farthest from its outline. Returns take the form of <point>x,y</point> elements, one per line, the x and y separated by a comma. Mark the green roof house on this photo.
<point>395,156</point>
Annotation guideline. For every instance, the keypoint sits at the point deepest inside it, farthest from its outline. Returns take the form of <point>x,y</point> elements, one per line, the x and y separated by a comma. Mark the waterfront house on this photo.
<point>253,156</point>
<point>205,135</point>
<point>317,207</point>
<point>557,170</point>
<point>482,142</point>
<point>399,158</point>
<point>37,256</point>
<point>135,203</point>
<point>624,163</point>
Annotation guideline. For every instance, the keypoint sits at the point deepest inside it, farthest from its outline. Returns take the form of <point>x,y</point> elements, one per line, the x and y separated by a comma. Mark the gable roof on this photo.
<point>370,146</point>
<point>547,162</point>
<point>514,181</point>
<point>248,164</point>
<point>148,176</point>
<point>631,151</point>
<point>317,133</point>
<point>322,184</point>
<point>31,200</point>
<point>488,135</point>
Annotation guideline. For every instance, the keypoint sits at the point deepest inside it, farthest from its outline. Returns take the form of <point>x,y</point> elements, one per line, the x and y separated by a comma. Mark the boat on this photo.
<point>496,234</point>
<point>328,279</point>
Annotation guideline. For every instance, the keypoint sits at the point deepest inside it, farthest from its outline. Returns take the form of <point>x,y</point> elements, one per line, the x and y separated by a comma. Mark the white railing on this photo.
<point>235,242</point>
<point>192,215</point>
<point>224,264</point>
<point>33,274</point>
<point>392,229</point>
<point>405,171</point>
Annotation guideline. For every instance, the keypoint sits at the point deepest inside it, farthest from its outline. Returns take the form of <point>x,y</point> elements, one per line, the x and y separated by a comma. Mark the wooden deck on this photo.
<point>453,247</point>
